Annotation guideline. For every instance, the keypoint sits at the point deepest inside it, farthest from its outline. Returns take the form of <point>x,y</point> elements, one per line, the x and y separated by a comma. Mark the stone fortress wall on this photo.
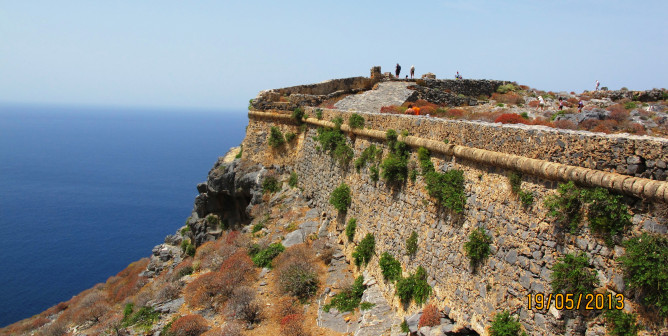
<point>525,243</point>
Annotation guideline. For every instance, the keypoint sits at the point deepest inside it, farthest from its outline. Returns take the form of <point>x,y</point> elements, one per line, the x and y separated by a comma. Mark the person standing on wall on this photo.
<point>412,71</point>
<point>397,70</point>
<point>597,84</point>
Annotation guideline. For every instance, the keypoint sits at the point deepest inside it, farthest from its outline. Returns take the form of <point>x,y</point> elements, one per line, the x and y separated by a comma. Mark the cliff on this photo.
<point>472,219</point>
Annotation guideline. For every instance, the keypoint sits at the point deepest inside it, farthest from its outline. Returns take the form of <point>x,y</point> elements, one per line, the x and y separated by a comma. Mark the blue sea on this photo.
<point>86,191</point>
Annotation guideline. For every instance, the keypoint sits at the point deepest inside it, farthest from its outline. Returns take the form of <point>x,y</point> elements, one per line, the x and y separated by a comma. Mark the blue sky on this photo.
<point>219,54</point>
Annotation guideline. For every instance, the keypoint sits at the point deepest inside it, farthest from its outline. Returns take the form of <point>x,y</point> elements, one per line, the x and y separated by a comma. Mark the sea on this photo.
<point>85,191</point>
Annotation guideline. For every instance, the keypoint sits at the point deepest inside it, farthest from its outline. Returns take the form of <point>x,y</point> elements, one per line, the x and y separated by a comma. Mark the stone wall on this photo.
<point>311,94</point>
<point>525,244</point>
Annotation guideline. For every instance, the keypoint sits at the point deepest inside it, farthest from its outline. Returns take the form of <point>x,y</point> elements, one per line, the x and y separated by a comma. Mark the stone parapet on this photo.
<point>556,171</point>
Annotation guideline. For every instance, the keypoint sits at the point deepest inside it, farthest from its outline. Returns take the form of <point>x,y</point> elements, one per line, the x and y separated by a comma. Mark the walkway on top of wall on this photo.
<point>630,185</point>
<point>386,94</point>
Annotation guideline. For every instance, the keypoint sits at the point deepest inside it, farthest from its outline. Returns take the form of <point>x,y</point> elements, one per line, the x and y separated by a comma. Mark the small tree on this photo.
<point>340,197</point>
<point>276,138</point>
<point>505,325</point>
<point>477,248</point>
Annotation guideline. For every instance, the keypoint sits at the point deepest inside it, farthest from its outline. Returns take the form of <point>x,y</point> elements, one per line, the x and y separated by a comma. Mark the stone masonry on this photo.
<point>525,243</point>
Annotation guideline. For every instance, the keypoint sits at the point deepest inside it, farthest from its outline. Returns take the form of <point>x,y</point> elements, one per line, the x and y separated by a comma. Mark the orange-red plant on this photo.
<point>189,325</point>
<point>431,317</point>
<point>511,118</point>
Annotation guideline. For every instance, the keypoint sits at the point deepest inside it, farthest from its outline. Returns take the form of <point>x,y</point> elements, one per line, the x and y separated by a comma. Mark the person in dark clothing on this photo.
<point>398,70</point>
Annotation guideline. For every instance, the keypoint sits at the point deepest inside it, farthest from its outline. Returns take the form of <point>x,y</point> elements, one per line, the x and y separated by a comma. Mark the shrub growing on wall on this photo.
<point>364,251</point>
<point>340,198</point>
<point>573,274</point>
<point>390,267</point>
<point>333,141</point>
<point>414,287</point>
<point>276,138</point>
<point>356,121</point>
<point>447,188</point>
<point>350,229</point>
<point>645,266</point>
<point>411,243</point>
<point>505,325</point>
<point>607,215</point>
<point>477,247</point>
<point>298,115</point>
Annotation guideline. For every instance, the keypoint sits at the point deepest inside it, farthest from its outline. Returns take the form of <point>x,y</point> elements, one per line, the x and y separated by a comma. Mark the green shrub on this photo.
<point>573,274</point>
<point>270,185</point>
<point>263,257</point>
<point>526,197</point>
<point>395,168</point>
<point>390,267</point>
<point>250,104</point>
<point>524,114</point>
<point>404,327</point>
<point>447,188</point>
<point>645,266</point>
<point>506,88</point>
<point>370,154</point>
<point>292,182</point>
<point>411,243</point>
<point>241,150</point>
<point>340,198</point>
<point>620,323</point>
<point>366,305</point>
<point>334,142</point>
<point>257,227</point>
<point>373,173</point>
<point>414,287</point>
<point>349,298</point>
<point>318,113</point>
<point>186,270</point>
<point>185,230</point>
<point>505,325</point>
<point>630,105</point>
<point>187,247</point>
<point>350,229</point>
<point>356,121</point>
<point>364,251</point>
<point>424,159</point>
<point>144,317</point>
<point>412,175</point>
<point>477,247</point>
<point>276,138</point>
<point>566,206</point>
<point>391,136</point>
<point>515,180</point>
<point>500,105</point>
<point>338,121</point>
<point>298,115</point>
<point>289,136</point>
<point>191,250</point>
<point>404,133</point>
<point>343,154</point>
<point>606,214</point>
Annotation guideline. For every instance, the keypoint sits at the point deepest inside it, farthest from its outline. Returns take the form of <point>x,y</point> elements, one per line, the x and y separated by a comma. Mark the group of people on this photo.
<point>397,71</point>
<point>541,104</point>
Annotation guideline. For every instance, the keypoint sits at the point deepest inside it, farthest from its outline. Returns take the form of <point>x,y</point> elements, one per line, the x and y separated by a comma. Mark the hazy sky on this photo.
<point>219,54</point>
